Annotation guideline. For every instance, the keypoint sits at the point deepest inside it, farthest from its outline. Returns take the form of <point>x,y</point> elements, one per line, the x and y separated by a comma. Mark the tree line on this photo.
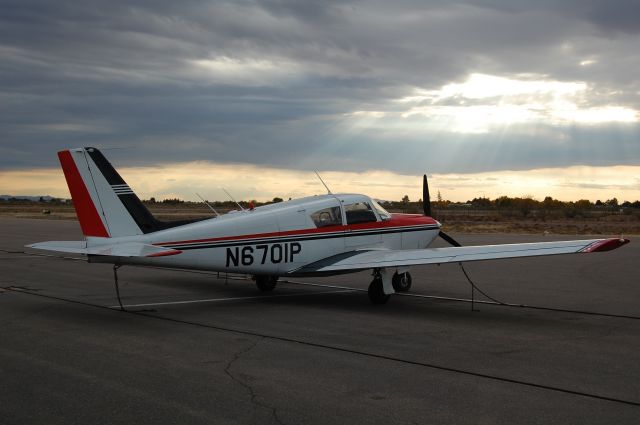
<point>524,205</point>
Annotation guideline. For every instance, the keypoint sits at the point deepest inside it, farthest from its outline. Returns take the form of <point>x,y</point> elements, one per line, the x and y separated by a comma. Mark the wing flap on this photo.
<point>397,258</point>
<point>126,249</point>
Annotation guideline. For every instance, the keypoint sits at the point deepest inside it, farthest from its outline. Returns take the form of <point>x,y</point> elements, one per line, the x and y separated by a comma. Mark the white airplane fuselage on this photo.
<point>279,238</point>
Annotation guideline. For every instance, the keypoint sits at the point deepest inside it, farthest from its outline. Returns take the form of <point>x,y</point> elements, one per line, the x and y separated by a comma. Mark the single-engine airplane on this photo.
<point>312,236</point>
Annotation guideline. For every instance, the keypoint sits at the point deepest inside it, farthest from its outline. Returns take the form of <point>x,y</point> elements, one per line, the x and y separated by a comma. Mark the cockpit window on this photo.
<point>359,212</point>
<point>327,217</point>
<point>384,214</point>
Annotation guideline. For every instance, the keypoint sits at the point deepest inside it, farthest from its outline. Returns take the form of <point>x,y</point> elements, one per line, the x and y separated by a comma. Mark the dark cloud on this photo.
<point>274,82</point>
<point>617,15</point>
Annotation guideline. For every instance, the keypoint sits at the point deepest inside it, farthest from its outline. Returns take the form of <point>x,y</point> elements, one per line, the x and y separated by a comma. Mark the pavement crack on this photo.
<point>252,392</point>
<point>21,288</point>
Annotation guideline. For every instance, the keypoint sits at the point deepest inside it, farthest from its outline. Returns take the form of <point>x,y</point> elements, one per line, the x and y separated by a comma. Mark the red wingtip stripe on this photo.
<point>90,221</point>
<point>606,245</point>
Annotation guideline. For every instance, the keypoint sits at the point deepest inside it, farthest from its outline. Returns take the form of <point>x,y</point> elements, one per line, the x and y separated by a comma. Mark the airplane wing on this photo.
<point>127,249</point>
<point>360,260</point>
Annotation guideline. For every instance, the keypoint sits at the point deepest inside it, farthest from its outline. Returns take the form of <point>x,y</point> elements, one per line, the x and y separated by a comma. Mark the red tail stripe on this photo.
<point>90,221</point>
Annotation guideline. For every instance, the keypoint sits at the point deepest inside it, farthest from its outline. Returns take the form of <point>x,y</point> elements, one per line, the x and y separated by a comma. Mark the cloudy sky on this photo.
<point>488,97</point>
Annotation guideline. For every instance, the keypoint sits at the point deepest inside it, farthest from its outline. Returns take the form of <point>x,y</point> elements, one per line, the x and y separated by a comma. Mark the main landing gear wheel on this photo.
<point>401,282</point>
<point>376,292</point>
<point>266,283</point>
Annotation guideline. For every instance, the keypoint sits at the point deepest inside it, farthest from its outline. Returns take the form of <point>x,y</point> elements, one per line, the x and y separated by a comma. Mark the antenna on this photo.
<point>208,204</point>
<point>322,181</point>
<point>229,195</point>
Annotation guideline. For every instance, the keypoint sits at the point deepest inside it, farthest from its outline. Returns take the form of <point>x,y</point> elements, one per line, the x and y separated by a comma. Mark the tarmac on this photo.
<point>197,347</point>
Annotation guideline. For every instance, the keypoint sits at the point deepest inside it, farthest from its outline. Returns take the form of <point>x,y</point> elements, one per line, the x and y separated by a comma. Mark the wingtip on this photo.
<point>606,245</point>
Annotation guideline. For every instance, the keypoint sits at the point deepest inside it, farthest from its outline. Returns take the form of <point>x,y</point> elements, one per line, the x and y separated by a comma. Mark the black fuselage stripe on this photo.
<point>284,239</point>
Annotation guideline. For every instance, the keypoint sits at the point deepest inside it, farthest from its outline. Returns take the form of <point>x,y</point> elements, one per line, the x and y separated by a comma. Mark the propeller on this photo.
<point>426,199</point>
<point>426,205</point>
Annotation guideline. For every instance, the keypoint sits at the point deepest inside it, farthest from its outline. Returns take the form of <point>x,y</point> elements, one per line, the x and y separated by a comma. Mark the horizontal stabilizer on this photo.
<point>361,260</point>
<point>126,249</point>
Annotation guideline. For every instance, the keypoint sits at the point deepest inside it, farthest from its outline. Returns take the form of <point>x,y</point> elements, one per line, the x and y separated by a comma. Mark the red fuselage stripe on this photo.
<point>398,220</point>
<point>90,221</point>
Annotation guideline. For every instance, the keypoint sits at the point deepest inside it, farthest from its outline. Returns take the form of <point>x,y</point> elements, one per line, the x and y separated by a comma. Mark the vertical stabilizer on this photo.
<point>102,199</point>
<point>106,206</point>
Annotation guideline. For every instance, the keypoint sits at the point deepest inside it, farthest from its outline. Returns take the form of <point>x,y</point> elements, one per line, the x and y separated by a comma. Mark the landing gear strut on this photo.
<point>401,281</point>
<point>376,290</point>
<point>266,283</point>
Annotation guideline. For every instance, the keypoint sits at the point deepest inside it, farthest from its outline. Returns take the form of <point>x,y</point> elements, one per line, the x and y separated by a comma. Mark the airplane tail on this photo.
<point>105,205</point>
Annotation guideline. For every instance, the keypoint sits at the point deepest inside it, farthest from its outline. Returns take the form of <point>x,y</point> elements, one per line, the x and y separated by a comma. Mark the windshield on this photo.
<point>359,212</point>
<point>384,214</point>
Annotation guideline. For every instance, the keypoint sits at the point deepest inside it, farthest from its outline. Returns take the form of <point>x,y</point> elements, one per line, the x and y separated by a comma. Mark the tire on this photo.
<point>266,283</point>
<point>401,282</point>
<point>376,292</point>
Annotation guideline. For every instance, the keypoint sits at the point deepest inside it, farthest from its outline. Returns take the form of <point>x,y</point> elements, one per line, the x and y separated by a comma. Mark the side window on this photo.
<point>360,212</point>
<point>327,217</point>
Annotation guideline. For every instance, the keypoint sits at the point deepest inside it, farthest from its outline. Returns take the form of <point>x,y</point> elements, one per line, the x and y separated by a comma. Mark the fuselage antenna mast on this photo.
<point>209,205</point>
<point>323,183</point>
<point>236,202</point>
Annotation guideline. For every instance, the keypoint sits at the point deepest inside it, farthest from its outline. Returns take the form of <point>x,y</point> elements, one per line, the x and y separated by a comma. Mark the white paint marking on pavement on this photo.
<point>211,300</point>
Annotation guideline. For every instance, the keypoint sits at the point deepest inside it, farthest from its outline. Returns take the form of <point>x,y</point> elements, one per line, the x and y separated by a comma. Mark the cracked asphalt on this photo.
<point>317,354</point>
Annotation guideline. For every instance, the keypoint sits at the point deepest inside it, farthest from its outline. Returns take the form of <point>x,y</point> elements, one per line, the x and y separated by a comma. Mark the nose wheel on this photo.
<point>401,281</point>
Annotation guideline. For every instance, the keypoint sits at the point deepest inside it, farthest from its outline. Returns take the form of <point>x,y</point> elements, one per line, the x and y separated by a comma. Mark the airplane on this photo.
<point>313,236</point>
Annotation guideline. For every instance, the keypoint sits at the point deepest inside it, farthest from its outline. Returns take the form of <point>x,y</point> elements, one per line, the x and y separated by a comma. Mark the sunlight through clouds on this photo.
<point>482,86</point>
<point>484,102</point>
